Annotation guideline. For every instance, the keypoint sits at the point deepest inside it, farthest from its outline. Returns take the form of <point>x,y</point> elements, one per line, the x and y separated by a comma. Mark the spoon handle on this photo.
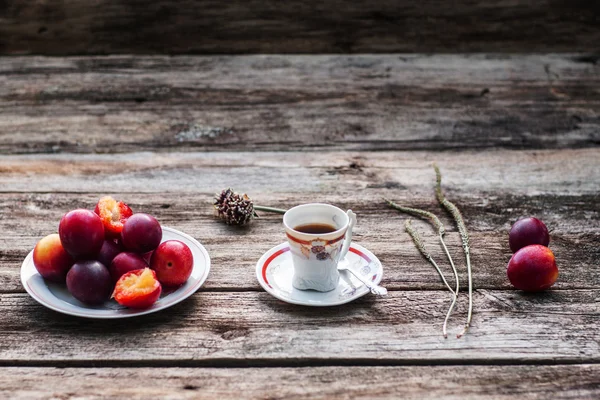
<point>375,289</point>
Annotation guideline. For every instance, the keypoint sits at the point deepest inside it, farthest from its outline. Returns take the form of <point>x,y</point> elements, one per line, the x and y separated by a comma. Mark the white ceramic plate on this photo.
<point>274,272</point>
<point>56,296</point>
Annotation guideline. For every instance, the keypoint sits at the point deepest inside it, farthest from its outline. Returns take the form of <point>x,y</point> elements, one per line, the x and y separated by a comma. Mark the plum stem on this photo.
<point>462,229</point>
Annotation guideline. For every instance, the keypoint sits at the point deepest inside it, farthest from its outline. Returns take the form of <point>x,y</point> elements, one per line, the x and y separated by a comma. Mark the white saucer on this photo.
<point>274,272</point>
<point>56,296</point>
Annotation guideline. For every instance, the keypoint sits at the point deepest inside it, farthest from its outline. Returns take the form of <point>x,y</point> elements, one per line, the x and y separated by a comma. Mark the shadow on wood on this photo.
<point>296,26</point>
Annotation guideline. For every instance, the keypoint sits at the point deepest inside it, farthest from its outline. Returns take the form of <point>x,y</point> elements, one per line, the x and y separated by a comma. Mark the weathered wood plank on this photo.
<point>332,26</point>
<point>568,172</point>
<point>425,382</point>
<point>123,104</point>
<point>234,252</point>
<point>493,189</point>
<point>254,329</point>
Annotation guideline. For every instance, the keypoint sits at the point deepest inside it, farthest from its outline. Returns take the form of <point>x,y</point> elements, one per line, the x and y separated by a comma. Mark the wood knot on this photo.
<point>232,332</point>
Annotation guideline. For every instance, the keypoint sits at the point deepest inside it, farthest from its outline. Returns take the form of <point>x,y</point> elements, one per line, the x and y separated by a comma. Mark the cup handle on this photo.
<point>348,237</point>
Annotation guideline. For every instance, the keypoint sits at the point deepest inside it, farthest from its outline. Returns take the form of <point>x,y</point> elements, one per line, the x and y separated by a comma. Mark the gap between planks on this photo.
<point>287,363</point>
<point>389,288</point>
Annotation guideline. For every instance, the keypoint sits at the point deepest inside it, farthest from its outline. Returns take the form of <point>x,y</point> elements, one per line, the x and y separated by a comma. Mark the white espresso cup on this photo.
<point>316,255</point>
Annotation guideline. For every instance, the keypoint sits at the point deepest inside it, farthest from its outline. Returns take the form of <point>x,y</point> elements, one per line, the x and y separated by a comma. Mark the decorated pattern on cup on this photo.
<point>321,249</point>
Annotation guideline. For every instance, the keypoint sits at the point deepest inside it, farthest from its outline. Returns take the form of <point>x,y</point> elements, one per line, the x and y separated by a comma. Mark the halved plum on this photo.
<point>137,289</point>
<point>113,214</point>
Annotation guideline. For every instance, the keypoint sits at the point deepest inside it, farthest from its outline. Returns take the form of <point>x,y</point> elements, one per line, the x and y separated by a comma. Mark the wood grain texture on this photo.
<point>234,329</point>
<point>493,189</point>
<point>296,26</point>
<point>448,382</point>
<point>523,135</point>
<point>248,103</point>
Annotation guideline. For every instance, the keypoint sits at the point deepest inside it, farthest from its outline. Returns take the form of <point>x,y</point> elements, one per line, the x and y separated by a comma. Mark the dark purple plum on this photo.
<point>108,252</point>
<point>141,233</point>
<point>81,233</point>
<point>528,231</point>
<point>89,282</point>
<point>124,263</point>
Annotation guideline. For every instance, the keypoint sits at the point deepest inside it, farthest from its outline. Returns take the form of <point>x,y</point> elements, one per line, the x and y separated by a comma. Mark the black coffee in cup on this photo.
<point>315,228</point>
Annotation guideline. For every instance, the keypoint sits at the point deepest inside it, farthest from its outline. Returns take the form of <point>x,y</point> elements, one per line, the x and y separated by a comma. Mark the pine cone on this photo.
<point>233,208</point>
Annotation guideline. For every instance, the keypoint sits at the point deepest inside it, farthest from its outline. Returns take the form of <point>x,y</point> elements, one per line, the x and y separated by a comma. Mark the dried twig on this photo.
<point>421,247</point>
<point>462,229</point>
<point>269,209</point>
<point>437,224</point>
<point>435,221</point>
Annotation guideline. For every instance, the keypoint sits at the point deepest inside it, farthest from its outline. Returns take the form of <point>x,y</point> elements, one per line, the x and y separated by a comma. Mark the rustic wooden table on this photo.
<point>514,135</point>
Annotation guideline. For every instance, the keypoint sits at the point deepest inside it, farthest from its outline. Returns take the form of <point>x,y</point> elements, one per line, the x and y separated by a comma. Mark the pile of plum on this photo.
<point>532,267</point>
<point>112,251</point>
